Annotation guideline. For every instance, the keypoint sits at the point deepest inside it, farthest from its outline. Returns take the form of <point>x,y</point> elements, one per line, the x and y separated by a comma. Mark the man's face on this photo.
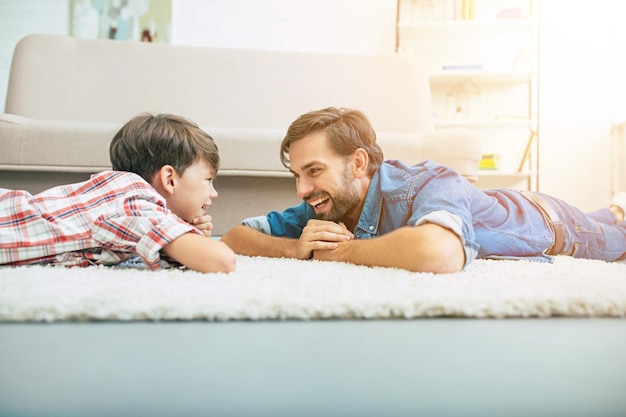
<point>324,179</point>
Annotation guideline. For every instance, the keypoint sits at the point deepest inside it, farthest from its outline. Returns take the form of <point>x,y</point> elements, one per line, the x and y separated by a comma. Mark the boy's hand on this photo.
<point>203,222</point>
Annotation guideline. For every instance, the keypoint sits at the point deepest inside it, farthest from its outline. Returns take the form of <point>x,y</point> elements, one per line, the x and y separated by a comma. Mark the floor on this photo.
<point>430,367</point>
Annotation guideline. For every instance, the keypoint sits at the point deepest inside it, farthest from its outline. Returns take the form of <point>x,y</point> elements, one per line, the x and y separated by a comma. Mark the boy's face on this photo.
<point>193,191</point>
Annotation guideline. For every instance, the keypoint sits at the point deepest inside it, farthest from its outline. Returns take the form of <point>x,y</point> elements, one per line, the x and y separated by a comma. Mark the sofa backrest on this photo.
<point>63,78</point>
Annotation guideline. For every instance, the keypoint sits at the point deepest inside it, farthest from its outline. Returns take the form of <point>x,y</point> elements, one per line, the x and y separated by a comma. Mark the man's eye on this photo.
<point>314,171</point>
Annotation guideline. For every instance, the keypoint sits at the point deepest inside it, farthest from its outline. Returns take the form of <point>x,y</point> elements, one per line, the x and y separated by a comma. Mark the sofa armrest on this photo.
<point>40,145</point>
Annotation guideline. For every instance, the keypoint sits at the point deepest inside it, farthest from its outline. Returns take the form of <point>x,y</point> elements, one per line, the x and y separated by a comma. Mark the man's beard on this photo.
<point>341,204</point>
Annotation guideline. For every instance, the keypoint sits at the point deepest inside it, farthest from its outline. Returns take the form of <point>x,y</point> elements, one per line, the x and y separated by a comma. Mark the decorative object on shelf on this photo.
<point>489,161</point>
<point>527,150</point>
<point>462,101</point>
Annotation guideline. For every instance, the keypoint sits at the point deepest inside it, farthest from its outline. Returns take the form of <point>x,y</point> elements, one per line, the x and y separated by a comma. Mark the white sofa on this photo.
<point>66,98</point>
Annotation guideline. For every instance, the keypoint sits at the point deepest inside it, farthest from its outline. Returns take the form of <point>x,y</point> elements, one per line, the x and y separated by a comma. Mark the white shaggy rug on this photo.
<point>279,289</point>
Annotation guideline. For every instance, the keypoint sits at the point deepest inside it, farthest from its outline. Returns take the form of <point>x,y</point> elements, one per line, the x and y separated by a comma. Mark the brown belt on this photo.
<point>552,219</point>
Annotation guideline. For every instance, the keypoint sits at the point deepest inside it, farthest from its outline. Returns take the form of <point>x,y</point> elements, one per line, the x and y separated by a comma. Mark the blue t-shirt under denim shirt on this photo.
<point>497,223</point>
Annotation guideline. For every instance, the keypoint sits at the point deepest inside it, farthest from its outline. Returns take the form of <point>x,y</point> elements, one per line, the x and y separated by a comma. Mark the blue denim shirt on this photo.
<point>497,223</point>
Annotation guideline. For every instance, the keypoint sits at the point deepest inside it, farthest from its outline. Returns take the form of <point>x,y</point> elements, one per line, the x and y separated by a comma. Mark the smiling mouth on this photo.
<point>319,202</point>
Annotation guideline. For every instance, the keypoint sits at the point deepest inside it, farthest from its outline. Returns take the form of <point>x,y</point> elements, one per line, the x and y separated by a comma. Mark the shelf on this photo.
<point>497,173</point>
<point>481,77</point>
<point>467,27</point>
<point>509,124</point>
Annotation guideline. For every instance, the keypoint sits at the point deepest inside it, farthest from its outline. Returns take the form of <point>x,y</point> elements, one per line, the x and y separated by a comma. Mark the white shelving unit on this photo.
<point>482,57</point>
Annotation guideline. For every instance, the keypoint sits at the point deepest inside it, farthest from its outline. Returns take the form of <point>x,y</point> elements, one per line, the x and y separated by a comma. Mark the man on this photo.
<point>358,208</point>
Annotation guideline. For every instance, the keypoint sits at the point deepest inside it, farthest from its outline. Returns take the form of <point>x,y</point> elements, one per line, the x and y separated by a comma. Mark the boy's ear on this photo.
<point>165,179</point>
<point>361,161</point>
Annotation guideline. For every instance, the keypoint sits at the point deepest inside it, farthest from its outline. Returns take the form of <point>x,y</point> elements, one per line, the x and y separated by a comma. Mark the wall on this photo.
<point>307,25</point>
<point>574,107</point>
<point>618,98</point>
<point>20,18</point>
<point>350,26</point>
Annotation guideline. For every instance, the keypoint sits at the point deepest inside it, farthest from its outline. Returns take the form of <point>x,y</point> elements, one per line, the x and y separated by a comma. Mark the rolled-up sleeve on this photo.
<point>453,223</point>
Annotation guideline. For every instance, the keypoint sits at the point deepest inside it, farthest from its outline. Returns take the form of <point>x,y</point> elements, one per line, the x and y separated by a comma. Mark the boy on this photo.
<point>162,179</point>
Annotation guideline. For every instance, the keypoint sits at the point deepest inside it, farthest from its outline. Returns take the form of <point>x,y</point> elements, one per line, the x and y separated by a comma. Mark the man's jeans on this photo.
<point>593,235</point>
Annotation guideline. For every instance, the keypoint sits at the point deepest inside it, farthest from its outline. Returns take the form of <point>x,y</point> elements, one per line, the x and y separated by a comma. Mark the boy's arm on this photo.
<point>425,248</point>
<point>201,254</point>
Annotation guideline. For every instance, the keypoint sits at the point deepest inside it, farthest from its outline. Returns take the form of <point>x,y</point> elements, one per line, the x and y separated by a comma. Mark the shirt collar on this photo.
<point>370,215</point>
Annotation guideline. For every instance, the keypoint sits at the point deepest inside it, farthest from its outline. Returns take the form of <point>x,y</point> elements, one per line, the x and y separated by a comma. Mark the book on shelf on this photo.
<point>476,67</point>
<point>465,9</point>
<point>511,13</point>
<point>469,10</point>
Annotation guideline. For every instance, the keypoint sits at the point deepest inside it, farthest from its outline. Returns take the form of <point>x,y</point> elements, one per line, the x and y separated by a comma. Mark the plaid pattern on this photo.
<point>109,218</point>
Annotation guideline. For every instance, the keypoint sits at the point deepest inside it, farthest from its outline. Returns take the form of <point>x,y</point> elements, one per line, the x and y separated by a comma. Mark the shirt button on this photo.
<point>371,227</point>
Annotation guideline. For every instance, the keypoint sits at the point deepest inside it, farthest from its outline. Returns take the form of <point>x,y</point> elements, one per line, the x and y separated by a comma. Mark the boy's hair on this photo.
<point>346,130</point>
<point>149,141</point>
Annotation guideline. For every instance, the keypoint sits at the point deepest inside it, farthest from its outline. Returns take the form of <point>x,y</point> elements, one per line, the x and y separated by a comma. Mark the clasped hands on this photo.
<point>320,239</point>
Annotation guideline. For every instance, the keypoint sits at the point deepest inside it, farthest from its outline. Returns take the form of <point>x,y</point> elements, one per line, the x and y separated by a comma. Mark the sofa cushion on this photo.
<point>84,146</point>
<point>63,78</point>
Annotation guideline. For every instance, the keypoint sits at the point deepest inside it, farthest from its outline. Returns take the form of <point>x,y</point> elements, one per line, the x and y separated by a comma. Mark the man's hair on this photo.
<point>346,130</point>
<point>149,141</point>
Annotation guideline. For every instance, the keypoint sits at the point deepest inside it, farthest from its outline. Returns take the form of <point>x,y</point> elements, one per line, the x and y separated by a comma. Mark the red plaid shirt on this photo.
<point>109,218</point>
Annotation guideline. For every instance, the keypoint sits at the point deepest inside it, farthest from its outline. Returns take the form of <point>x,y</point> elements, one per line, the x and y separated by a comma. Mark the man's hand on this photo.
<point>425,248</point>
<point>339,253</point>
<point>203,222</point>
<point>321,235</point>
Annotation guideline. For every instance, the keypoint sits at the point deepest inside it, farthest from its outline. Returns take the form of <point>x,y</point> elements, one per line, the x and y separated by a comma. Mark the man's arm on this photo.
<point>317,235</point>
<point>425,248</point>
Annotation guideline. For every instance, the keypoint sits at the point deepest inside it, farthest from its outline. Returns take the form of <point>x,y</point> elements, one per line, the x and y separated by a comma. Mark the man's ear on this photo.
<point>361,161</point>
<point>164,179</point>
